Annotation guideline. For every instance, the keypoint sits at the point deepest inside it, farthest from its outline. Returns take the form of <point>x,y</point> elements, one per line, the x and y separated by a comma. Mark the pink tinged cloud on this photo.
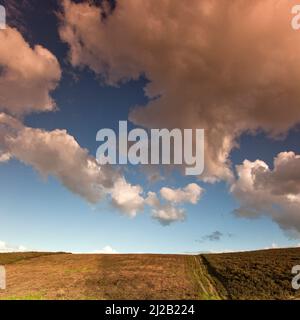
<point>227,69</point>
<point>27,75</point>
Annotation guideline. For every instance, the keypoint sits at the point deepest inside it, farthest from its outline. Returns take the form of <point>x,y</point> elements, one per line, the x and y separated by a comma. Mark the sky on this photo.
<point>69,68</point>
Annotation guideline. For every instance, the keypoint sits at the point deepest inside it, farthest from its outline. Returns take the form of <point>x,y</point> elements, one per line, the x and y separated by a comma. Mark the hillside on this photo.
<point>248,275</point>
<point>264,274</point>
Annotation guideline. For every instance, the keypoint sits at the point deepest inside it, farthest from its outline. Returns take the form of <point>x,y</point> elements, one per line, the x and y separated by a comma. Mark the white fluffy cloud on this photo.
<point>276,193</point>
<point>166,214</point>
<point>58,154</point>
<point>227,69</point>
<point>168,210</point>
<point>27,75</point>
<point>5,247</point>
<point>4,157</point>
<point>190,194</point>
<point>106,250</point>
<point>127,197</point>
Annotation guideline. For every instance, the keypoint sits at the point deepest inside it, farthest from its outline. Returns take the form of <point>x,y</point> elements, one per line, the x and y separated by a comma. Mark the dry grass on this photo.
<point>67,276</point>
<point>248,275</point>
<point>7,258</point>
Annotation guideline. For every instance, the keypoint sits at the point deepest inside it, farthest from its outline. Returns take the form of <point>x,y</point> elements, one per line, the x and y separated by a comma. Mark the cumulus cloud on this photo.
<point>167,210</point>
<point>127,197</point>
<point>106,250</point>
<point>284,178</point>
<point>58,154</point>
<point>227,69</point>
<point>152,199</point>
<point>27,75</point>
<point>191,194</point>
<point>275,193</point>
<point>4,156</point>
<point>5,247</point>
<point>166,214</point>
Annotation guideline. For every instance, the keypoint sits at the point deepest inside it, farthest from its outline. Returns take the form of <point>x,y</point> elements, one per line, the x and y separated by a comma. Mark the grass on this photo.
<point>32,296</point>
<point>204,283</point>
<point>7,258</point>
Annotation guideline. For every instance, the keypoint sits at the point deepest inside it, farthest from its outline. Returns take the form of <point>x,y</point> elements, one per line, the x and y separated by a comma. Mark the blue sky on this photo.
<point>42,214</point>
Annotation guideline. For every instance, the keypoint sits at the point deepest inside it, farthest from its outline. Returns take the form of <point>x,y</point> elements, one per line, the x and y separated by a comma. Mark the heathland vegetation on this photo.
<point>246,275</point>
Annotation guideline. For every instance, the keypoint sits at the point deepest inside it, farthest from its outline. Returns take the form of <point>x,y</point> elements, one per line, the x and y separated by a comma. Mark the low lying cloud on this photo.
<point>106,250</point>
<point>275,193</point>
<point>27,75</point>
<point>5,247</point>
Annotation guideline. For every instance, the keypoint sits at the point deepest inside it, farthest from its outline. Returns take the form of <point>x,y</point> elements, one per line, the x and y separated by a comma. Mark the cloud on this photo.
<point>284,178</point>
<point>169,211</point>
<point>58,154</point>
<point>273,246</point>
<point>227,69</point>
<point>152,200</point>
<point>4,247</point>
<point>127,197</point>
<point>275,193</point>
<point>190,194</point>
<point>166,214</point>
<point>27,75</point>
<point>106,250</point>
<point>214,236</point>
<point>33,73</point>
<point>4,157</point>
